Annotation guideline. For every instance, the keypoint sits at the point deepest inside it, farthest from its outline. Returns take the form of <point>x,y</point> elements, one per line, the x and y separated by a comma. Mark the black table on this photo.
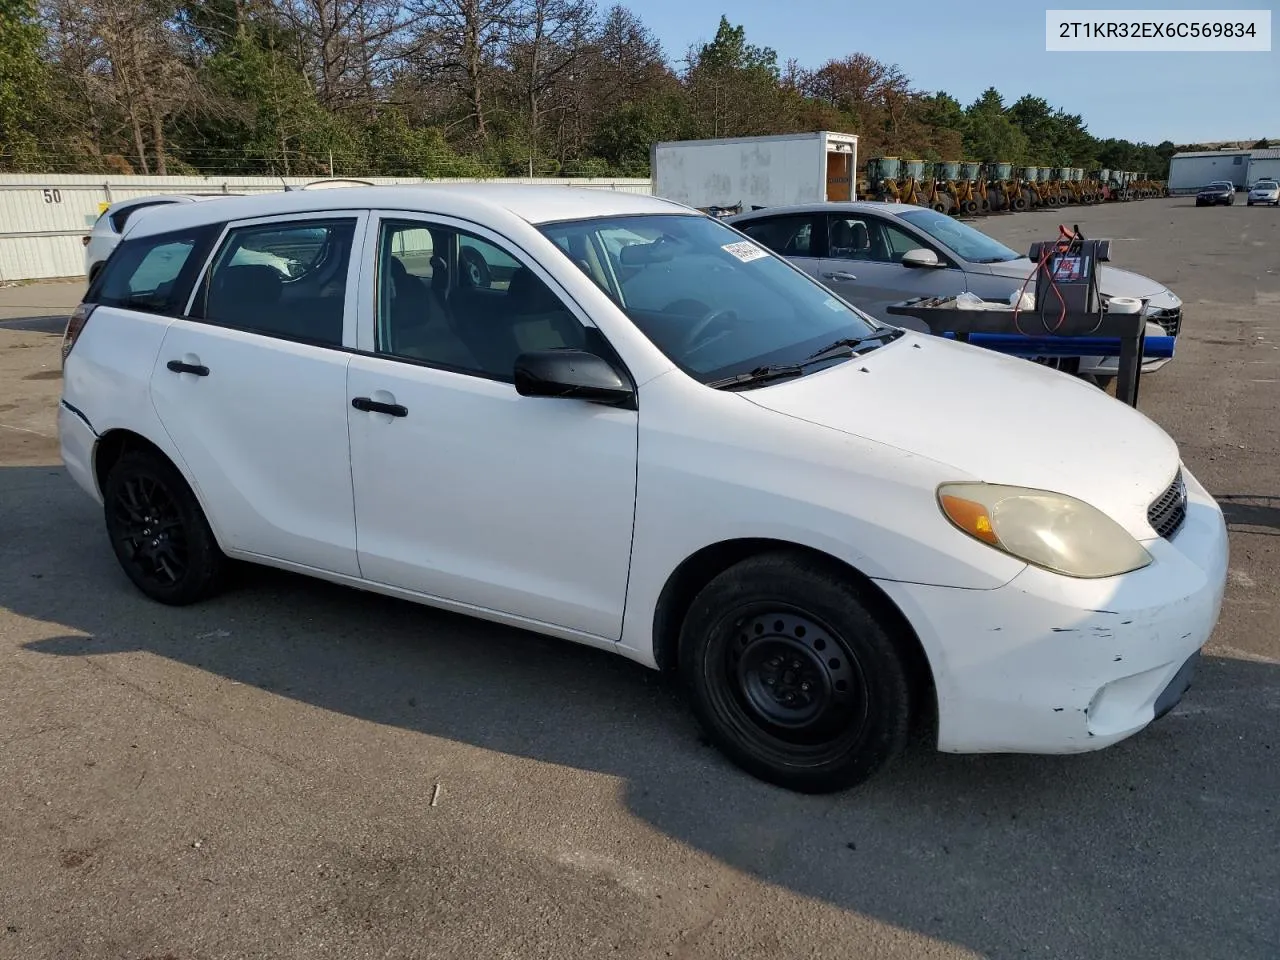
<point>942,317</point>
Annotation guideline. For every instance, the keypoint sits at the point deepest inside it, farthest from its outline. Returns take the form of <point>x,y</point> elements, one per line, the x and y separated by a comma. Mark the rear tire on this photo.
<point>159,532</point>
<point>793,677</point>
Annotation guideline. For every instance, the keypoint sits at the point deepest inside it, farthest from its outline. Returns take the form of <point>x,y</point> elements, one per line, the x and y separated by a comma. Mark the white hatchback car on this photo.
<point>612,419</point>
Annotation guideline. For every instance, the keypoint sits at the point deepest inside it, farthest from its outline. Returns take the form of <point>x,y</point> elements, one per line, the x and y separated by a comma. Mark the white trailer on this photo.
<point>1263,165</point>
<point>751,172</point>
<point>1188,172</point>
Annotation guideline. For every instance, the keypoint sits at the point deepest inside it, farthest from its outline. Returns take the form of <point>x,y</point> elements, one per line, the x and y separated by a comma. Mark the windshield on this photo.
<point>714,302</point>
<point>1265,185</point>
<point>968,243</point>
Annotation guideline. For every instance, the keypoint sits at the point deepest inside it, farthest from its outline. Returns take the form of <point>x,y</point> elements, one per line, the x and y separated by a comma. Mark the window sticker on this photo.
<point>744,251</point>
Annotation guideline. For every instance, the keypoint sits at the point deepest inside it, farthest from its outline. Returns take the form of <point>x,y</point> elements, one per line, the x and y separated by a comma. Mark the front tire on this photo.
<point>793,677</point>
<point>159,532</point>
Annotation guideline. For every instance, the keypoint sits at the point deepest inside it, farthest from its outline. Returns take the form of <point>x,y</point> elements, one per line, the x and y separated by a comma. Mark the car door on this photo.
<point>798,237</point>
<point>863,264</point>
<point>251,386</point>
<point>464,490</point>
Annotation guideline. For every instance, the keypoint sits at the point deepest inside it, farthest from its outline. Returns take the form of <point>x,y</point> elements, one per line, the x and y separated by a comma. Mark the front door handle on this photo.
<point>177,366</point>
<point>840,276</point>
<point>373,406</point>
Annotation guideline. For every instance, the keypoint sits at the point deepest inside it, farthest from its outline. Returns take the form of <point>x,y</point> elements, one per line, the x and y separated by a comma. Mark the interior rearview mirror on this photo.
<point>570,374</point>
<point>920,258</point>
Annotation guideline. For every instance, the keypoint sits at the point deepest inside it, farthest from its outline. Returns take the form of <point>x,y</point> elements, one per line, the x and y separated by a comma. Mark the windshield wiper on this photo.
<point>759,375</point>
<point>844,347</point>
<point>847,345</point>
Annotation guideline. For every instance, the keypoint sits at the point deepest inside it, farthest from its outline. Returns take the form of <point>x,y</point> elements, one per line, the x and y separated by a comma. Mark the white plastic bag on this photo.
<point>1027,300</point>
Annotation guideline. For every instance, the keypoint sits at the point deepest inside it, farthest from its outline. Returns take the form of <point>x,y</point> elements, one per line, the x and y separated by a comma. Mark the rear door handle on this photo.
<point>372,406</point>
<point>177,366</point>
<point>840,276</point>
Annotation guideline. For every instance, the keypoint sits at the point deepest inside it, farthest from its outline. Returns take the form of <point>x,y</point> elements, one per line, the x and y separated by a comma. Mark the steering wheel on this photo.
<point>699,328</point>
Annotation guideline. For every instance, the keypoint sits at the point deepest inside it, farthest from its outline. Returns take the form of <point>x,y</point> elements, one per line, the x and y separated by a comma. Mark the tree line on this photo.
<point>443,88</point>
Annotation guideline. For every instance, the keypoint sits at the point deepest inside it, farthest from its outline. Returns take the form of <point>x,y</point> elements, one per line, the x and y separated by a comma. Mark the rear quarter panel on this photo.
<point>108,374</point>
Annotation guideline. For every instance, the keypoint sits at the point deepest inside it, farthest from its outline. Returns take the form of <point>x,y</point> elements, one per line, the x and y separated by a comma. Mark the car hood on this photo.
<point>1114,282</point>
<point>993,418</point>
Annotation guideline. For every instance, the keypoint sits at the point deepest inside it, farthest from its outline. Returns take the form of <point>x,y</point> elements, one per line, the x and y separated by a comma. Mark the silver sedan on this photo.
<point>875,254</point>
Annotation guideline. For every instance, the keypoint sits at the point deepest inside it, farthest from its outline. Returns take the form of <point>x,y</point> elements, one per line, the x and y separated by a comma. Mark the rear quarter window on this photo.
<point>153,274</point>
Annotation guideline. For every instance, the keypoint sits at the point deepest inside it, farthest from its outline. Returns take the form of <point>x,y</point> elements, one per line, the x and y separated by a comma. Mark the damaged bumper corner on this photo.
<point>1047,664</point>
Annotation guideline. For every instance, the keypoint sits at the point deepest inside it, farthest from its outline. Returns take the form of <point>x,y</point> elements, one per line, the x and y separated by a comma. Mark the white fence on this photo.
<point>43,217</point>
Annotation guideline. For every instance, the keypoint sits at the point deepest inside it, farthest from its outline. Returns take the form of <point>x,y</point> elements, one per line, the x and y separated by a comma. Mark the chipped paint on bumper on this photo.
<point>1048,664</point>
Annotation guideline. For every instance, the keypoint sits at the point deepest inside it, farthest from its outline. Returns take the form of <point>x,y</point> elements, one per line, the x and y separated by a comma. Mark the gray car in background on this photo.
<point>875,254</point>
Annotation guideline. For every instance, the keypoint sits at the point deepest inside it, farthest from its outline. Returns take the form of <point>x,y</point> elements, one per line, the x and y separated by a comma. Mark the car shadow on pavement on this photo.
<point>1244,510</point>
<point>35,324</point>
<point>1166,842</point>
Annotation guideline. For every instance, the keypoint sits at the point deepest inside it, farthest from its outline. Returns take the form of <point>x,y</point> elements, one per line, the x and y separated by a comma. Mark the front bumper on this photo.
<point>1049,664</point>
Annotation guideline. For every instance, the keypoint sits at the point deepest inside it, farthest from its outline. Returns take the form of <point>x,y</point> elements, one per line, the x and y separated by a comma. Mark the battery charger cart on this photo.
<point>1068,319</point>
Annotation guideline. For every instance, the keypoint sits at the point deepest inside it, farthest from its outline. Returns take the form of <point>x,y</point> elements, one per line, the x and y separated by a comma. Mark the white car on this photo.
<point>105,233</point>
<point>1264,191</point>
<point>683,450</point>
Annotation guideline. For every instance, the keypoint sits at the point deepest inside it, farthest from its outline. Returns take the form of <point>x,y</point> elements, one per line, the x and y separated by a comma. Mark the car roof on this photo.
<point>829,206</point>
<point>533,203</point>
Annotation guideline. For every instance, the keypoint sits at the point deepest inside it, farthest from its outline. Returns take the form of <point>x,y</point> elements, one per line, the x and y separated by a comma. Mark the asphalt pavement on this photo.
<point>297,770</point>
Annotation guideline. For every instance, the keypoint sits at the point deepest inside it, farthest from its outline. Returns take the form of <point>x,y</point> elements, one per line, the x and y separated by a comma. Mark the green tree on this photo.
<point>624,136</point>
<point>733,86</point>
<point>22,84</point>
<point>989,133</point>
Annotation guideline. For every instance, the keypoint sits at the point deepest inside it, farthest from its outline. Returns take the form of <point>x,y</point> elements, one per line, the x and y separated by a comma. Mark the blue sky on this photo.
<point>963,48</point>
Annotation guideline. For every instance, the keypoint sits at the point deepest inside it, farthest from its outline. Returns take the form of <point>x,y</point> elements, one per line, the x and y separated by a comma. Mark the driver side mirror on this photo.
<point>921,258</point>
<point>571,374</point>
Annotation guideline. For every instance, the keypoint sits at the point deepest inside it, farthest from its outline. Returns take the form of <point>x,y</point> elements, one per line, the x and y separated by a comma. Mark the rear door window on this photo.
<point>790,236</point>
<point>284,279</point>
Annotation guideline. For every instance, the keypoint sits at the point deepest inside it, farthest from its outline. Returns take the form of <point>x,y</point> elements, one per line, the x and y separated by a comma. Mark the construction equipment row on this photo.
<point>968,189</point>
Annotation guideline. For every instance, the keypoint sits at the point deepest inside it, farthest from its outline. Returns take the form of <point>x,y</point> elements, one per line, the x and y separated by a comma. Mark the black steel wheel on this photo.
<point>158,531</point>
<point>793,677</point>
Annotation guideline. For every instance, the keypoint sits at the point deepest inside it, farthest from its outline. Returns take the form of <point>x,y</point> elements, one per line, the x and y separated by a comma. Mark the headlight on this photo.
<point>1050,530</point>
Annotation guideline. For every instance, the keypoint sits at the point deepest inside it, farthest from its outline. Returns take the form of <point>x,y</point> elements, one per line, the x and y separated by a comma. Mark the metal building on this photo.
<point>1188,172</point>
<point>1264,165</point>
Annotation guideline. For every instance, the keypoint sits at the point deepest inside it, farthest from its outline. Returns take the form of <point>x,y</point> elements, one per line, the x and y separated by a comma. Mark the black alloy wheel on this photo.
<point>158,531</point>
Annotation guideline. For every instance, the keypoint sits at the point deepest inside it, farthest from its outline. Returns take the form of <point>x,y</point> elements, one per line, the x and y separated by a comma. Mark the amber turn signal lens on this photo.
<point>970,517</point>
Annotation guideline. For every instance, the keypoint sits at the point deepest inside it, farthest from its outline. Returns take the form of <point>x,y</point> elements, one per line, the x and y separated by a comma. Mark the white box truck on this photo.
<point>745,172</point>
